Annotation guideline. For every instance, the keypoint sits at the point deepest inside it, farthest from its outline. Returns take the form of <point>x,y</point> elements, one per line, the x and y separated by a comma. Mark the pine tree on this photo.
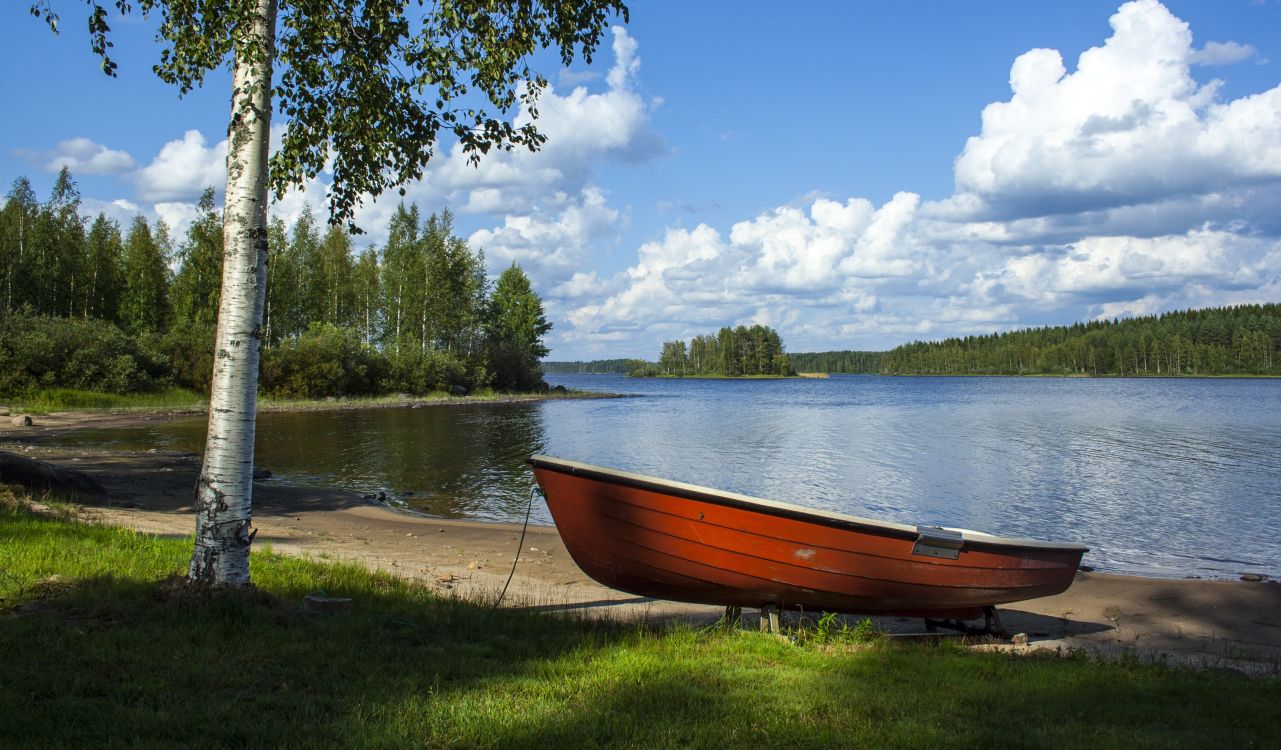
<point>514,329</point>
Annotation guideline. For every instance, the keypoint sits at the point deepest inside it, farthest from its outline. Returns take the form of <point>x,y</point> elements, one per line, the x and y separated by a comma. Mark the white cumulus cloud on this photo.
<point>1222,53</point>
<point>121,210</point>
<point>81,156</point>
<point>550,245</point>
<point>183,169</point>
<point>1128,126</point>
<point>178,216</point>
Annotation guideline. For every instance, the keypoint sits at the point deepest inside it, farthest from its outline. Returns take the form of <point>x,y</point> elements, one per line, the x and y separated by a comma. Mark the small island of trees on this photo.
<point>87,306</point>
<point>732,353</point>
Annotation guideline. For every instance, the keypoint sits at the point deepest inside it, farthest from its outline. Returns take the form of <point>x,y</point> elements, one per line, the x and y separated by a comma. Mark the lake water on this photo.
<point>1158,477</point>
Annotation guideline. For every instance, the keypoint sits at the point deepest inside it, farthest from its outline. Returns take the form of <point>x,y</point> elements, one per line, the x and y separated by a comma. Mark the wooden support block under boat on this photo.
<point>670,540</point>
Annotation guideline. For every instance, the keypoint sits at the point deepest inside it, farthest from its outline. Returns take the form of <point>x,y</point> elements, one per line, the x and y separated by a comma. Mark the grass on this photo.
<point>68,399</point>
<point>181,399</point>
<point>481,396</point>
<point>710,376</point>
<point>103,647</point>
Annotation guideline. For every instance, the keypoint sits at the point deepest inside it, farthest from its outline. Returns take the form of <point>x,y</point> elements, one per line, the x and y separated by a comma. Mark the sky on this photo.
<point>854,174</point>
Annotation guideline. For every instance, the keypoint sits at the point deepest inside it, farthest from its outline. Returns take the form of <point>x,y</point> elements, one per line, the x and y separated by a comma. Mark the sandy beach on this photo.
<point>1202,623</point>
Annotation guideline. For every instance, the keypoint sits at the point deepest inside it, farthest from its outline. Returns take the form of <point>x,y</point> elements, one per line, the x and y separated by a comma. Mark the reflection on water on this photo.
<point>1158,477</point>
<point>456,462</point>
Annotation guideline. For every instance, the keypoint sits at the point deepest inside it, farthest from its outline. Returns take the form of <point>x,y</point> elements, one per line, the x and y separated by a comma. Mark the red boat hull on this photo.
<point>669,540</point>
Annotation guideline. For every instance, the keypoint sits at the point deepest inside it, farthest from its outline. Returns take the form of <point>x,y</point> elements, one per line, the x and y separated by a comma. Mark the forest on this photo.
<point>1241,340</point>
<point>595,366</point>
<point>732,352</point>
<point>837,362</point>
<point>1237,340</point>
<point>87,305</point>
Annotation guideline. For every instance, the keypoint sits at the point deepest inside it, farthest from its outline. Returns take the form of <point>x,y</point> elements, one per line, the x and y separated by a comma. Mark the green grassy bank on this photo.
<point>181,399</point>
<point>103,647</point>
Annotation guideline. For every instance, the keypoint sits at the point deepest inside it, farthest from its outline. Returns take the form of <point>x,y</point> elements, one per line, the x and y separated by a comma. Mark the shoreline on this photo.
<point>1054,375</point>
<point>1194,622</point>
<point>331,403</point>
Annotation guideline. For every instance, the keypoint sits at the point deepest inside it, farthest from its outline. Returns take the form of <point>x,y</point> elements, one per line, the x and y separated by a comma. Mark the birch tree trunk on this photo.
<point>224,489</point>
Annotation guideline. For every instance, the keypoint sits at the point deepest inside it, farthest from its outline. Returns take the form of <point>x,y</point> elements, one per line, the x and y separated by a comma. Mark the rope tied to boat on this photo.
<point>533,492</point>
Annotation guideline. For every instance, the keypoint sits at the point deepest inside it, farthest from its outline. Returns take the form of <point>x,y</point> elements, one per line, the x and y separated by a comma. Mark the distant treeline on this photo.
<point>846,362</point>
<point>86,305</point>
<point>596,366</point>
<point>1240,340</point>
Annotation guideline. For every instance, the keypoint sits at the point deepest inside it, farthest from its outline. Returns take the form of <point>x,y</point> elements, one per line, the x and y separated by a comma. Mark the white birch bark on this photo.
<point>224,489</point>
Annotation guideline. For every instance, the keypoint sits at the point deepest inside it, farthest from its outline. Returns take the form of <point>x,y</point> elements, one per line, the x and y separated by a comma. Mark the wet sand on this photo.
<point>1202,623</point>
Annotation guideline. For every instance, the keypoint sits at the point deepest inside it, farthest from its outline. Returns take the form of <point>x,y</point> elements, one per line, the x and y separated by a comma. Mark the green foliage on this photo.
<point>412,319</point>
<point>41,352</point>
<point>400,274</point>
<point>432,284</point>
<point>600,366</point>
<point>55,258</point>
<point>367,294</point>
<point>732,352</point>
<point>393,81</point>
<point>419,371</point>
<point>825,627</point>
<point>188,349</point>
<point>848,362</point>
<point>103,280</point>
<point>199,279</point>
<point>64,399</point>
<point>334,280</point>
<point>324,361</point>
<point>1240,340</point>
<point>144,303</point>
<point>366,88</point>
<point>311,302</point>
<point>17,220</point>
<point>280,313</point>
<point>514,330</point>
<point>831,629</point>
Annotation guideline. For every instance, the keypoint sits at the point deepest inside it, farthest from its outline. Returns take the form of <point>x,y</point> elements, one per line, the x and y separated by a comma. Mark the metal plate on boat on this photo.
<point>936,541</point>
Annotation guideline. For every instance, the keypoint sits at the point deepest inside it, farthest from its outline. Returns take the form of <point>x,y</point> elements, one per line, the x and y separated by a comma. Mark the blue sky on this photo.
<point>854,174</point>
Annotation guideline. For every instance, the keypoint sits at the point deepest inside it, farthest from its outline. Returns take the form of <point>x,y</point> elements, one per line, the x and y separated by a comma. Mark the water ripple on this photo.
<point>1167,478</point>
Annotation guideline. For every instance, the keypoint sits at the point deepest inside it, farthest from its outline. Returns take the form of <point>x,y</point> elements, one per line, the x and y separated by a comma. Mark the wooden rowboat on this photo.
<point>670,540</point>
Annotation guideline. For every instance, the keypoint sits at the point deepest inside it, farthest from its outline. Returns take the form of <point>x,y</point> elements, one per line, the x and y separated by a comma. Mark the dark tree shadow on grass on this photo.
<point>105,660</point>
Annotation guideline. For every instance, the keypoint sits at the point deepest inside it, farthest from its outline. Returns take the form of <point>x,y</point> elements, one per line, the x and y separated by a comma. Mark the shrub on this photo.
<point>187,350</point>
<point>420,372</point>
<point>324,361</point>
<point>42,352</point>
